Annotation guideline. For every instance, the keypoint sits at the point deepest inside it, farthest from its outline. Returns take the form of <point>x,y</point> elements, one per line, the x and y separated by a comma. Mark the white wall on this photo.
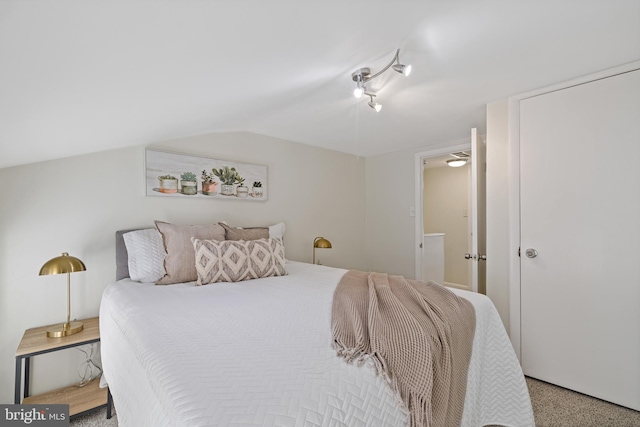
<point>389,227</point>
<point>76,205</point>
<point>446,207</point>
<point>498,259</point>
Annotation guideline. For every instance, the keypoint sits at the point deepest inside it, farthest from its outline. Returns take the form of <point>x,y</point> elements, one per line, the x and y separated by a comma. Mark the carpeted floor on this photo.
<point>97,418</point>
<point>553,406</point>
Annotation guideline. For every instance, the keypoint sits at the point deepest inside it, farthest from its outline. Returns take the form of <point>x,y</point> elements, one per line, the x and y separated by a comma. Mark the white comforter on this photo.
<point>258,353</point>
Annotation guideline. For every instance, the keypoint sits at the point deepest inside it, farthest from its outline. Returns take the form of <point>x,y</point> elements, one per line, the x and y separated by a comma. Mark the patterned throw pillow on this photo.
<point>234,261</point>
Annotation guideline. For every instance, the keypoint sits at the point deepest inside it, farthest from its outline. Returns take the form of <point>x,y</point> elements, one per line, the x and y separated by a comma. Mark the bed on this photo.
<point>258,353</point>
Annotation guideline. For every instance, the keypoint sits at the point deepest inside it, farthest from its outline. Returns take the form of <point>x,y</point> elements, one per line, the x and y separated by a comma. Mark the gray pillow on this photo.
<point>252,233</point>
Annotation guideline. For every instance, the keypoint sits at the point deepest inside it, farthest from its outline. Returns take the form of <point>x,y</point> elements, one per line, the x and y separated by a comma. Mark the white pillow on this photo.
<point>277,231</point>
<point>146,253</point>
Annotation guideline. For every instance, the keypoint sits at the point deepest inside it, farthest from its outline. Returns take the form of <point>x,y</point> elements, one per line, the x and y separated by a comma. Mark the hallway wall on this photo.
<point>446,207</point>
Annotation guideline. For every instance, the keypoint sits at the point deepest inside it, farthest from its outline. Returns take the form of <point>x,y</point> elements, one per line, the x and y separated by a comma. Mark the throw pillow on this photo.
<point>234,261</point>
<point>253,233</point>
<point>179,262</point>
<point>145,252</point>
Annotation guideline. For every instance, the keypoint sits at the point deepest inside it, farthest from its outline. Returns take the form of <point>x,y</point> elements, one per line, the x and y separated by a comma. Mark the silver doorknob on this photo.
<point>467,256</point>
<point>531,253</point>
<point>482,257</point>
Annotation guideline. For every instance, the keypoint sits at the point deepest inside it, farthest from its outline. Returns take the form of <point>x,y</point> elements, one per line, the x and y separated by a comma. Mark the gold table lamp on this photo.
<point>322,243</point>
<point>60,265</point>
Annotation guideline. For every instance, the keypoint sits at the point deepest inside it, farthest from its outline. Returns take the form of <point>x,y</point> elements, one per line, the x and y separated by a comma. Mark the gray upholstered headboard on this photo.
<point>122,258</point>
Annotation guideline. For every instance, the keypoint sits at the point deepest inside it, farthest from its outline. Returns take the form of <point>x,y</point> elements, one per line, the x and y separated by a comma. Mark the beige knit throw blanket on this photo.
<point>419,336</point>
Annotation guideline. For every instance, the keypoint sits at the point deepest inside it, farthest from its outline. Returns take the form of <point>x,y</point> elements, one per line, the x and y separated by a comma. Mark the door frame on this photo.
<point>419,193</point>
<point>514,190</point>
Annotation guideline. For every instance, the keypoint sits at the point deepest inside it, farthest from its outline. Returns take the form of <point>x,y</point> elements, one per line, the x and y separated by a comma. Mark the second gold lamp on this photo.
<point>322,243</point>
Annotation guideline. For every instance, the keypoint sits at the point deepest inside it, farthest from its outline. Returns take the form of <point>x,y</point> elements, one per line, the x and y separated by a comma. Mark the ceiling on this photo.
<point>80,76</point>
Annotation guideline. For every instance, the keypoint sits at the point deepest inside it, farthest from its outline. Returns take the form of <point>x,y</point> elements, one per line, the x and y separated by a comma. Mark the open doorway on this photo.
<point>445,214</point>
<point>456,209</point>
<point>475,239</point>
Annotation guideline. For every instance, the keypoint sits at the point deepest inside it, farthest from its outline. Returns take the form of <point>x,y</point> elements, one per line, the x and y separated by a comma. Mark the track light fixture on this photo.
<point>363,75</point>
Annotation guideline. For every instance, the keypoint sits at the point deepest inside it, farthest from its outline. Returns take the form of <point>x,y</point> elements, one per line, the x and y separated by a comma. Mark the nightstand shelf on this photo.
<point>80,399</point>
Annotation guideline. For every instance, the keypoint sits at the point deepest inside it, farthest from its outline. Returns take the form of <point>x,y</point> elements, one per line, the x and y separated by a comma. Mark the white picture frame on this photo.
<point>234,180</point>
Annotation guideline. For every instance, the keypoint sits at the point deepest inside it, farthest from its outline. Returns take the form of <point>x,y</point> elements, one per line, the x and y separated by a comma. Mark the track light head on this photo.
<point>359,76</point>
<point>403,69</point>
<point>373,104</point>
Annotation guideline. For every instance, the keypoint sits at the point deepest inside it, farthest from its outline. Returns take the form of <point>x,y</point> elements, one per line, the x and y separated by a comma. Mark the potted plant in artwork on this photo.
<point>257,189</point>
<point>228,176</point>
<point>209,184</point>
<point>188,183</point>
<point>242,190</point>
<point>168,184</point>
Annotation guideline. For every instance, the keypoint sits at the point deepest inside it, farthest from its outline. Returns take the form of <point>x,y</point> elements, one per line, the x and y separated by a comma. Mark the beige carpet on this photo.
<point>97,418</point>
<point>555,406</point>
<point>552,407</point>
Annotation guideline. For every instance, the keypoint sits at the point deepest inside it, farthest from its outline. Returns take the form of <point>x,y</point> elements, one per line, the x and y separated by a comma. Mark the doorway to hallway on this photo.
<point>451,202</point>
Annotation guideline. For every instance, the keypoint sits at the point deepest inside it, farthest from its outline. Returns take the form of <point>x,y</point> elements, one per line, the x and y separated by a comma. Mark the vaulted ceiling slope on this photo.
<point>81,76</point>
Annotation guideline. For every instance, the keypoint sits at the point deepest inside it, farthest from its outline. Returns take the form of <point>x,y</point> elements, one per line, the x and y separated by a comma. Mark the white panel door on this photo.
<point>580,212</point>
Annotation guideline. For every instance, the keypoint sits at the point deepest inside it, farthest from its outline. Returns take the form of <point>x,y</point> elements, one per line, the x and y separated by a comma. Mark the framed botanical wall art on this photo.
<point>182,175</point>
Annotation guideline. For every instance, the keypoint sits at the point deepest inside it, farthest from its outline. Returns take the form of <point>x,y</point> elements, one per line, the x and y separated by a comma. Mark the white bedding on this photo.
<point>258,353</point>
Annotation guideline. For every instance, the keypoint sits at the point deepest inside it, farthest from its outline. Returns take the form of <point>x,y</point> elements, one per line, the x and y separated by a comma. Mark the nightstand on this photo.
<point>80,399</point>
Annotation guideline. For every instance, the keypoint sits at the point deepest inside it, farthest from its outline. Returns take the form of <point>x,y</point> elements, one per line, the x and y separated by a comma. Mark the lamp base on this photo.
<point>64,329</point>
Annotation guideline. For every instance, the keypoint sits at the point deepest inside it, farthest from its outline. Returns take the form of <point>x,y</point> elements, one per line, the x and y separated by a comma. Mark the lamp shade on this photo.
<point>64,263</point>
<point>321,243</point>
